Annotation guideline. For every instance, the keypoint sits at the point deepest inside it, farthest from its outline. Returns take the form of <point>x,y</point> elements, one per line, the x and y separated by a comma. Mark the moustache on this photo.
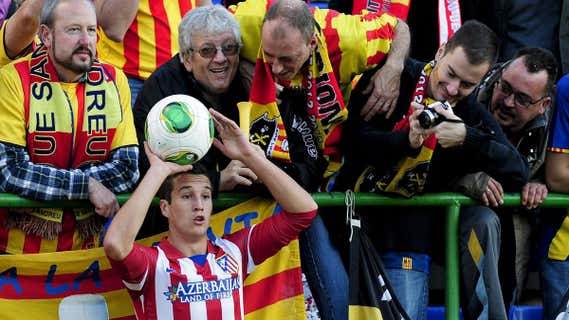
<point>504,109</point>
<point>82,50</point>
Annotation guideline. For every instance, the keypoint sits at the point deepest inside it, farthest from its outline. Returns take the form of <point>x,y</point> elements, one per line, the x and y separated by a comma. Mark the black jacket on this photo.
<point>485,148</point>
<point>373,143</point>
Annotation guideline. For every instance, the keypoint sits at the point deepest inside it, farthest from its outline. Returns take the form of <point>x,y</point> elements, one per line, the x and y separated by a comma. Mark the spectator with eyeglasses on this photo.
<point>519,95</point>
<point>520,99</point>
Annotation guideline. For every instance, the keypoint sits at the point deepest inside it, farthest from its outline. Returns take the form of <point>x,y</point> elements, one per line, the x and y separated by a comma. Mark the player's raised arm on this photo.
<point>234,144</point>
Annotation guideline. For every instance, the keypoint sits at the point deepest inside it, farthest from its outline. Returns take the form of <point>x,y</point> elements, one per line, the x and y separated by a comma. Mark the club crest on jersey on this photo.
<point>171,294</point>
<point>228,264</point>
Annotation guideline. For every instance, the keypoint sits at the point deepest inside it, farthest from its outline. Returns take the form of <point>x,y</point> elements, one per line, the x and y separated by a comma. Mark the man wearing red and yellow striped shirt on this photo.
<point>150,40</point>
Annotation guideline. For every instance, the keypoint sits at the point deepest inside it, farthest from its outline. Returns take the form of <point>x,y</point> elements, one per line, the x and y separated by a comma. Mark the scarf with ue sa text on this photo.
<point>66,145</point>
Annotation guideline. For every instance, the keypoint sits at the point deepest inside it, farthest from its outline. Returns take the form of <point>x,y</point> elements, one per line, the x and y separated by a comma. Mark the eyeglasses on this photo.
<point>209,52</point>
<point>520,99</point>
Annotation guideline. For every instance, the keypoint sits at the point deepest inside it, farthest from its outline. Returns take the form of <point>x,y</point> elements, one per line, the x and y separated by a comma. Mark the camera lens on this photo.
<point>428,118</point>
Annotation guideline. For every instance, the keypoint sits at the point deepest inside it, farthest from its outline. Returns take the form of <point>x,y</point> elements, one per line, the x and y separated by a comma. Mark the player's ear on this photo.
<point>165,208</point>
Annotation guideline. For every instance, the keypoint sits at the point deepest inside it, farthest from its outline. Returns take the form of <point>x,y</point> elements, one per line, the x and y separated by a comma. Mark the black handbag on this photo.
<point>371,295</point>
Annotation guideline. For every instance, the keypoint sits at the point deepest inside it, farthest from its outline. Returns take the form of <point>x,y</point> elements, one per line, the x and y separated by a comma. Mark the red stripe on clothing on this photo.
<point>181,310</point>
<point>148,306</point>
<point>370,16</point>
<point>161,32</point>
<point>333,43</point>
<point>376,58</point>
<point>4,230</point>
<point>131,50</point>
<point>212,307</point>
<point>65,238</point>
<point>80,94</point>
<point>137,305</point>
<point>236,304</point>
<point>261,293</point>
<point>262,88</point>
<point>399,10</point>
<point>384,32</point>
<point>358,6</point>
<point>31,243</point>
<point>185,6</point>
<point>278,148</point>
<point>23,69</point>
<point>110,71</point>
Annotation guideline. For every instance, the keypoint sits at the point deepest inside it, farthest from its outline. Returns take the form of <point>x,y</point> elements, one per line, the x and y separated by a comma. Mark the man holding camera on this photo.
<point>403,155</point>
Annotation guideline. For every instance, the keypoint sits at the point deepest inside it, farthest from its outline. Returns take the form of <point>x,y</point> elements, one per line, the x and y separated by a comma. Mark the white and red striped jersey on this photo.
<point>165,284</point>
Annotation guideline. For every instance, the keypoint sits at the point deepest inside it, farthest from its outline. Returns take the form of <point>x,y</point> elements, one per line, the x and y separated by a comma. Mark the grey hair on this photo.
<point>48,9</point>
<point>206,20</point>
<point>294,12</point>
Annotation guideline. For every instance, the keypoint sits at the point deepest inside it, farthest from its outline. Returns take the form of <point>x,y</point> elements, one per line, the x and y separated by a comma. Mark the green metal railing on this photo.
<point>450,201</point>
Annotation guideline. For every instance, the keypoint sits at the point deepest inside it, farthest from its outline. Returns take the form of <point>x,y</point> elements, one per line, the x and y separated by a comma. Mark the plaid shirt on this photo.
<point>41,182</point>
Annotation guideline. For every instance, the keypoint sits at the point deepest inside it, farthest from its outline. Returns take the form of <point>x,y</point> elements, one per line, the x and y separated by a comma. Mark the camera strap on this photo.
<point>452,120</point>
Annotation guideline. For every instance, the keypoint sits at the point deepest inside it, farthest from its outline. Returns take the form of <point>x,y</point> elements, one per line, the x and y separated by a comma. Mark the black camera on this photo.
<point>429,118</point>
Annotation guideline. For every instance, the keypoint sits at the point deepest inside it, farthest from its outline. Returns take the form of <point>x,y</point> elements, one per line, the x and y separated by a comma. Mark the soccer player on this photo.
<point>181,277</point>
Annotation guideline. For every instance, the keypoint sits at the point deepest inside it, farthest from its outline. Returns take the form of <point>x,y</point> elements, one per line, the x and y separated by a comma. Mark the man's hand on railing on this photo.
<point>104,201</point>
<point>533,194</point>
<point>494,195</point>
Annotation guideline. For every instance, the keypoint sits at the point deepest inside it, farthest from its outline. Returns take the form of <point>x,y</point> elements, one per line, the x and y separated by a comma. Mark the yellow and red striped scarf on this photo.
<point>325,108</point>
<point>409,175</point>
<point>98,98</point>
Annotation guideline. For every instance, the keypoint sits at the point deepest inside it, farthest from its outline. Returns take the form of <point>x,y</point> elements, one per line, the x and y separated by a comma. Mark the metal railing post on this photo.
<point>452,271</point>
